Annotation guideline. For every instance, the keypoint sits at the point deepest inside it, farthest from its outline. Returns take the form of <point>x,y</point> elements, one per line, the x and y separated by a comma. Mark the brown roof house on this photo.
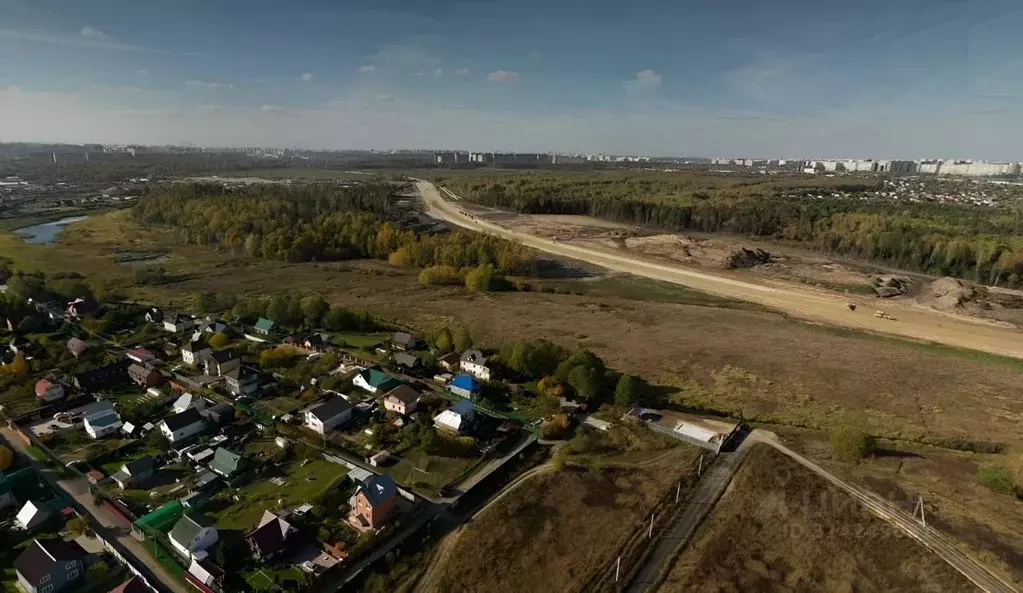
<point>272,538</point>
<point>372,503</point>
<point>144,376</point>
<point>401,400</point>
<point>450,361</point>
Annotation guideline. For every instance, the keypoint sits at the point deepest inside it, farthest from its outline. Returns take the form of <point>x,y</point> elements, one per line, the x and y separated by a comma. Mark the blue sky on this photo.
<point>894,78</point>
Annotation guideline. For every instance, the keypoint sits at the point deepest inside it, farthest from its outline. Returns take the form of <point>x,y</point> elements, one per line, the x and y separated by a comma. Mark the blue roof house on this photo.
<point>465,386</point>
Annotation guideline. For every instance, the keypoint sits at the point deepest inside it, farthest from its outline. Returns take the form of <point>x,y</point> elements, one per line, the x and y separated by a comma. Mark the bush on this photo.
<point>851,442</point>
<point>997,478</point>
<point>440,276</point>
<point>556,428</point>
<point>219,340</point>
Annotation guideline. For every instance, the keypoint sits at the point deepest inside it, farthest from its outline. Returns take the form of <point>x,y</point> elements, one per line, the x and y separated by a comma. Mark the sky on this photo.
<point>788,78</point>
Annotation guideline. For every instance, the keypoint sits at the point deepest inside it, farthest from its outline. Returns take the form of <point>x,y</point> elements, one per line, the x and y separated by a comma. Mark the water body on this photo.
<point>48,231</point>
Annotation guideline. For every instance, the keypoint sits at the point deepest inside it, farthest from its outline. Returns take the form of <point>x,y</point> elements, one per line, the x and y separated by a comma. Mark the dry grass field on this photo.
<point>987,524</point>
<point>559,530</point>
<point>780,528</point>
<point>713,353</point>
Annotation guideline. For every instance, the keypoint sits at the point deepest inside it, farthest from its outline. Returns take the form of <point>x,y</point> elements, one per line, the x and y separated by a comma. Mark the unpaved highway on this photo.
<point>807,303</point>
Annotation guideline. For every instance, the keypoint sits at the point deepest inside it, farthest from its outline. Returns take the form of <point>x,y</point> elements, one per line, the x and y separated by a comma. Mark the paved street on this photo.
<point>105,523</point>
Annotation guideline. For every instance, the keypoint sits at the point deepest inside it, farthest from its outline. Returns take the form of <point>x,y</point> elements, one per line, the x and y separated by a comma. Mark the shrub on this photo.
<point>851,442</point>
<point>997,478</point>
<point>556,428</point>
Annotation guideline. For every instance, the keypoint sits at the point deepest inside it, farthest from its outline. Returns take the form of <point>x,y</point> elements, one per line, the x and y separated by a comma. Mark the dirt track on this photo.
<point>804,302</point>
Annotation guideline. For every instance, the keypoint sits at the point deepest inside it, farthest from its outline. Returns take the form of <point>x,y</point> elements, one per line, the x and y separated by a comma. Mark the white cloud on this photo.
<point>307,76</point>
<point>417,73</point>
<point>535,54</point>
<point>207,85</point>
<point>91,33</point>
<point>80,40</point>
<point>207,109</point>
<point>438,73</point>
<point>142,72</point>
<point>645,82</point>
<point>367,68</point>
<point>125,89</point>
<point>462,71</point>
<point>502,76</point>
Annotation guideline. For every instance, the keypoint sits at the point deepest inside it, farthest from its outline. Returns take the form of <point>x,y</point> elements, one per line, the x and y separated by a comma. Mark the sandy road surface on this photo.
<point>804,302</point>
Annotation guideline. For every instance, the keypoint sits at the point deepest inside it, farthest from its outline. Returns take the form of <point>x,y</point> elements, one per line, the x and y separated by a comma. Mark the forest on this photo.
<point>318,222</point>
<point>971,242</point>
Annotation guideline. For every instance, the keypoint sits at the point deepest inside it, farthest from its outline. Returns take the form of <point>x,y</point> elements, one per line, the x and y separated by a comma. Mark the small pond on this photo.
<point>48,231</point>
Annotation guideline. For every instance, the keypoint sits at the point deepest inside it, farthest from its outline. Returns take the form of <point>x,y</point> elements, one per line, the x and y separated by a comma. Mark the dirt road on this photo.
<point>711,486</point>
<point>804,302</point>
<point>929,537</point>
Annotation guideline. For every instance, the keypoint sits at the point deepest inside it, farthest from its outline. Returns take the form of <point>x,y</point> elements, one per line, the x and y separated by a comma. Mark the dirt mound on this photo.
<point>890,285</point>
<point>704,252</point>
<point>952,294</point>
<point>747,258</point>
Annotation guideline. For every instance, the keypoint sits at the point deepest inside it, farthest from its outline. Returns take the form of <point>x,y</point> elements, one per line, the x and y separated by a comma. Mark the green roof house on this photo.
<point>264,326</point>
<point>226,463</point>
<point>375,381</point>
<point>192,534</point>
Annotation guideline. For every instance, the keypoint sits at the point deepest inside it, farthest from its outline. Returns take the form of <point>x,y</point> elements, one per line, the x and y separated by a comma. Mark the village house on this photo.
<point>140,355</point>
<point>372,502</point>
<point>32,515</point>
<point>181,426</point>
<point>242,381</point>
<point>49,391</point>
<point>206,573</point>
<point>195,351</point>
<point>144,376</point>
<point>475,363</point>
<point>403,341</point>
<point>272,538</point>
<point>401,400</point>
<point>50,566</point>
<point>406,361</point>
<point>219,363</point>
<point>102,424</point>
<point>101,378</point>
<point>374,380</point>
<point>458,418</point>
<point>329,415</point>
<point>133,472</point>
<point>450,361</point>
<point>263,326</point>
<point>226,463</point>
<point>465,386</point>
<point>176,322</point>
<point>192,535</point>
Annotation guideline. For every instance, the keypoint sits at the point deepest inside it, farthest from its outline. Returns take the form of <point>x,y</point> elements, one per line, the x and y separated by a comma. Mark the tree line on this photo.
<point>975,243</point>
<point>318,222</point>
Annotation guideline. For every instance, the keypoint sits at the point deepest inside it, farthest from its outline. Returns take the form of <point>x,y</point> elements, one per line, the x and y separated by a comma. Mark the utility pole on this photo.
<point>618,568</point>
<point>699,471</point>
<point>650,534</point>
<point>678,490</point>
<point>920,505</point>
